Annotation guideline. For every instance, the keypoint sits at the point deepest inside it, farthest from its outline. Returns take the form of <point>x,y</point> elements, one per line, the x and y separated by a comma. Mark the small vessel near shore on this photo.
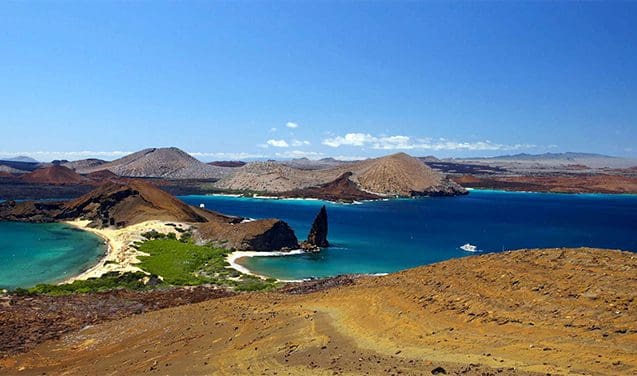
<point>469,248</point>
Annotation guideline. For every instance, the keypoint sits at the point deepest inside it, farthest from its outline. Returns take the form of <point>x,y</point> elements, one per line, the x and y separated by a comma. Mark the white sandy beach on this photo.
<point>120,255</point>
<point>233,257</point>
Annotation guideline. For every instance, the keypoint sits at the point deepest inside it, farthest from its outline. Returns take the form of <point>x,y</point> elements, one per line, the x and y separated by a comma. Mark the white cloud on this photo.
<point>400,142</point>
<point>297,143</point>
<point>349,157</point>
<point>350,139</point>
<point>284,143</point>
<point>273,129</point>
<point>291,124</point>
<point>300,154</point>
<point>278,143</point>
<point>314,155</point>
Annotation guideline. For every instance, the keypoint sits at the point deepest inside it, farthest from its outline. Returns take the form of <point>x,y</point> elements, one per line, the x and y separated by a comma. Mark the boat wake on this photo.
<point>470,248</point>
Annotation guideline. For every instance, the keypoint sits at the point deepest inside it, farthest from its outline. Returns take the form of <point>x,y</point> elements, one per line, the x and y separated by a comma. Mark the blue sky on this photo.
<point>349,79</point>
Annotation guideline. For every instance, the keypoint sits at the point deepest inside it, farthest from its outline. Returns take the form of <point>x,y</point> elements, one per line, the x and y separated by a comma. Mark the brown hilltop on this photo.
<point>102,175</point>
<point>56,175</point>
<point>120,203</point>
<point>169,163</point>
<point>529,312</point>
<point>132,202</point>
<point>397,174</point>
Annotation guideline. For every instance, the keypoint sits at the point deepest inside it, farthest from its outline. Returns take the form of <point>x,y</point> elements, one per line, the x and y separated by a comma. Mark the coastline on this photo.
<point>120,255</point>
<point>233,257</point>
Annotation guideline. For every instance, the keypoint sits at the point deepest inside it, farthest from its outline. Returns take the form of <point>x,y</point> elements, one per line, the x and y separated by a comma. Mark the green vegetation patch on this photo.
<point>184,263</point>
<point>109,281</point>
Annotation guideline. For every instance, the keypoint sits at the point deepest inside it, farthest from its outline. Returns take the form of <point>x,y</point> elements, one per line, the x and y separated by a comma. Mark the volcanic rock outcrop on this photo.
<point>340,189</point>
<point>257,235</point>
<point>318,233</point>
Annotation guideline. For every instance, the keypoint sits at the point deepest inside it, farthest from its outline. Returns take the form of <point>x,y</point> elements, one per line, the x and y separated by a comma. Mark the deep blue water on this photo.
<point>386,236</point>
<point>32,253</point>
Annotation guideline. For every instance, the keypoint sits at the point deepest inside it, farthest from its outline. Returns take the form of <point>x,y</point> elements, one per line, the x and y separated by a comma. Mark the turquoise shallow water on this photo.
<point>386,236</point>
<point>44,253</point>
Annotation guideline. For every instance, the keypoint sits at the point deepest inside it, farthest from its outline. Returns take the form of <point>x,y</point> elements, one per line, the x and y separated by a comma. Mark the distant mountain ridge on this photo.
<point>565,155</point>
<point>21,158</point>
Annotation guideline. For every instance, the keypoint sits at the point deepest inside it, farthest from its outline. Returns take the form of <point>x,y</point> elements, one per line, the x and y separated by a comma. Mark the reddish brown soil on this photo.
<point>600,183</point>
<point>57,175</point>
<point>102,175</point>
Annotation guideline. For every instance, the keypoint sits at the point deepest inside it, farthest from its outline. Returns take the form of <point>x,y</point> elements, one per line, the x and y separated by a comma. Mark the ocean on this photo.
<point>370,237</point>
<point>32,253</point>
<point>392,235</point>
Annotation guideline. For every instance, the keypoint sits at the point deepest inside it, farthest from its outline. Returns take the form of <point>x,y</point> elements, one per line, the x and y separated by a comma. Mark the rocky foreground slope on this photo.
<point>556,311</point>
<point>393,175</point>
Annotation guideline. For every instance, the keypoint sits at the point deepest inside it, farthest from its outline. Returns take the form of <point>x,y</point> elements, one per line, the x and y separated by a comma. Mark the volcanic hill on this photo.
<point>393,175</point>
<point>168,163</point>
<point>55,175</point>
<point>113,203</point>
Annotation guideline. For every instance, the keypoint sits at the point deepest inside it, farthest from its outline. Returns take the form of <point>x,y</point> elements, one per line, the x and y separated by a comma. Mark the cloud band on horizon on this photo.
<point>400,142</point>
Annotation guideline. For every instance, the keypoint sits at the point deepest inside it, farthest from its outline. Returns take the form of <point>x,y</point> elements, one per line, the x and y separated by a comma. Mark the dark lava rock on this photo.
<point>447,187</point>
<point>259,235</point>
<point>340,189</point>
<point>438,371</point>
<point>318,233</point>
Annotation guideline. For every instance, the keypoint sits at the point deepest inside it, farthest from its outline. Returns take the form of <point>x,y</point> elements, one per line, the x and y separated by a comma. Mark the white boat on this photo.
<point>469,248</point>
